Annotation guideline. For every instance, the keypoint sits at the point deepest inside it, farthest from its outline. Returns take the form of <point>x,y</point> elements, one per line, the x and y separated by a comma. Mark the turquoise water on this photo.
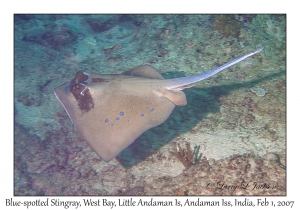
<point>224,116</point>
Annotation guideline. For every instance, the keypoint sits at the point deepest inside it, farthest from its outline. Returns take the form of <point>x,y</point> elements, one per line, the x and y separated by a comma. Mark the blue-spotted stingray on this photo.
<point>112,111</point>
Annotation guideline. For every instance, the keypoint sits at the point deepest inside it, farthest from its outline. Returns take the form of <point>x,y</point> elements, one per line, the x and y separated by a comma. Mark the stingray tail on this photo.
<point>186,82</point>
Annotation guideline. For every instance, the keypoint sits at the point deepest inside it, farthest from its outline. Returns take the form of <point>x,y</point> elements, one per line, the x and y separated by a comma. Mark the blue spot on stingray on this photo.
<point>128,120</point>
<point>142,115</point>
<point>106,120</point>
<point>151,110</point>
<point>121,113</point>
<point>117,118</point>
<point>112,124</point>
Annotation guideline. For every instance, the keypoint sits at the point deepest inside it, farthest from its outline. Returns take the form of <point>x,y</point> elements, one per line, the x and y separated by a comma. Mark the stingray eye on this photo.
<point>81,76</point>
<point>79,83</point>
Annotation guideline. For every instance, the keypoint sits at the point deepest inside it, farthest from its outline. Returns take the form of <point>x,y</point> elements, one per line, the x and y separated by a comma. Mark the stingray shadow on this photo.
<point>201,101</point>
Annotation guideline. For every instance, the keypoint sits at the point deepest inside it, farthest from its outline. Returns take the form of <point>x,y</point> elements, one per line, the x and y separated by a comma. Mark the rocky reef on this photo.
<point>239,131</point>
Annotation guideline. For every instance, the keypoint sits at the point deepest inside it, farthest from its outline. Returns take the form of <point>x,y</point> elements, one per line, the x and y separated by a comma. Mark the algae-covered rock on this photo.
<point>226,25</point>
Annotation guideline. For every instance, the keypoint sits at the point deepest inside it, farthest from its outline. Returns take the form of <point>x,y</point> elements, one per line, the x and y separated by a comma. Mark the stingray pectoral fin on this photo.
<point>62,93</point>
<point>106,139</point>
<point>110,129</point>
<point>112,111</point>
<point>183,87</point>
<point>177,97</point>
<point>146,71</point>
